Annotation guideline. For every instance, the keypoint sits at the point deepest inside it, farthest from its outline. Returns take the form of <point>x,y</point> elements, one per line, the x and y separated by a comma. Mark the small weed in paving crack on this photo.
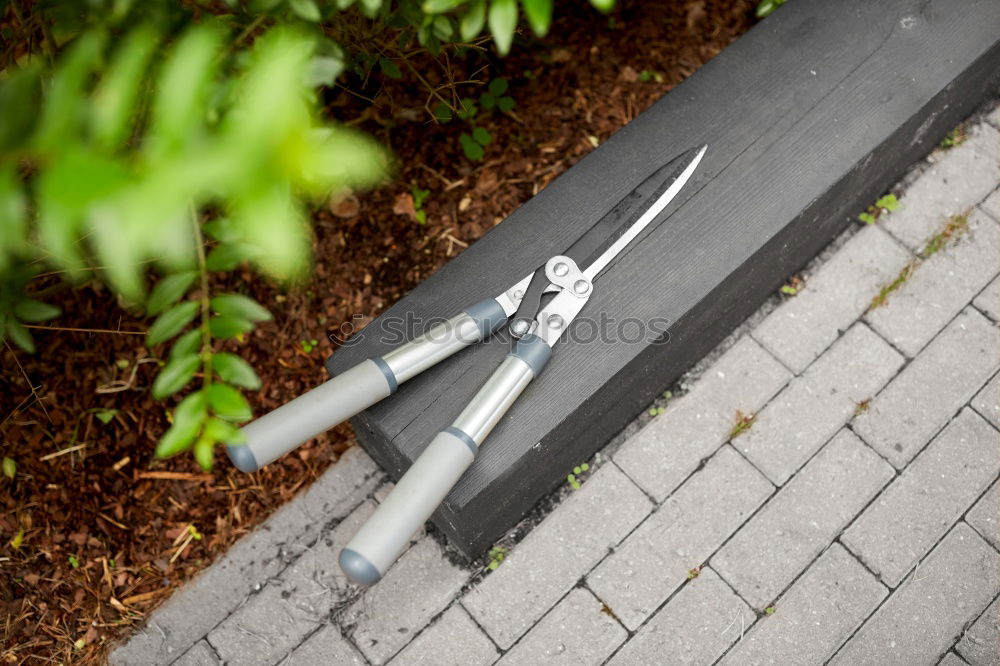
<point>793,286</point>
<point>743,423</point>
<point>694,573</point>
<point>951,231</point>
<point>885,204</point>
<point>862,406</point>
<point>769,610</point>
<point>496,557</point>
<point>955,137</point>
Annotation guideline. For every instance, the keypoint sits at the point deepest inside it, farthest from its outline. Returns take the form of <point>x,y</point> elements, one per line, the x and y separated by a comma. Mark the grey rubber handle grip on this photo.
<point>386,534</point>
<point>276,433</point>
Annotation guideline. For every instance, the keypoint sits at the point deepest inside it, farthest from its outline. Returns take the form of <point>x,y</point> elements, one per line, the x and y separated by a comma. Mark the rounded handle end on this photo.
<point>357,567</point>
<point>242,458</point>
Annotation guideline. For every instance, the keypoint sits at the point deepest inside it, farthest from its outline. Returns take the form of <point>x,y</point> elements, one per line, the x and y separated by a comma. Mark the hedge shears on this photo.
<point>538,310</point>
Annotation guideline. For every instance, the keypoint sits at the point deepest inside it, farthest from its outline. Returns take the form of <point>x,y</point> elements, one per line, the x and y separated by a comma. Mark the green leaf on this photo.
<point>889,202</point>
<point>228,403</point>
<point>472,21</point>
<point>235,370</point>
<point>487,101</point>
<point>867,218</point>
<point>204,452</point>
<point>19,334</point>
<point>31,310</point>
<point>189,343</point>
<point>443,29</point>
<point>171,322</point>
<point>9,467</point>
<point>224,432</point>
<point>765,8</point>
<point>240,306</point>
<point>603,5</point>
<point>481,136</point>
<point>442,113</point>
<point>228,326</point>
<point>498,87</point>
<point>389,68</point>
<point>472,150</point>
<point>503,21</point>
<point>306,10</point>
<point>169,290</point>
<point>539,14</point>
<point>371,7</point>
<point>505,104</point>
<point>61,113</point>
<point>440,6</point>
<point>188,417</point>
<point>114,99</point>
<point>105,415</point>
<point>175,375</point>
<point>228,256</point>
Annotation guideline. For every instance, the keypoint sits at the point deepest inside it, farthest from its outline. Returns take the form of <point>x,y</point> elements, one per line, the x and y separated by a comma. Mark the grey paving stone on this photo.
<point>453,640</point>
<point>921,505</point>
<point>326,646</point>
<point>694,628</point>
<point>784,537</point>
<point>989,300</point>
<point>556,554</point>
<point>961,179</point>
<point>655,559</point>
<point>925,395</point>
<point>419,586</point>
<point>291,606</point>
<point>672,446</point>
<point>994,117</point>
<point>987,401</point>
<point>575,633</point>
<point>939,287</point>
<point>984,138</point>
<point>802,327</point>
<point>952,659</point>
<point>927,613</point>
<point>185,617</point>
<point>985,516</point>
<point>813,407</point>
<point>818,613</point>
<point>991,205</point>
<point>200,654</point>
<point>980,644</point>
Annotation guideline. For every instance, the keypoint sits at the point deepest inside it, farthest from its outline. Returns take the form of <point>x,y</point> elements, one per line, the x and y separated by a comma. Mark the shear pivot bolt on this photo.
<point>519,327</point>
<point>518,294</point>
<point>560,269</point>
<point>555,321</point>
<point>581,286</point>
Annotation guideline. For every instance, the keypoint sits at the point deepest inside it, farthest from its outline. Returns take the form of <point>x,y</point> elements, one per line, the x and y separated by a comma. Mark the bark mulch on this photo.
<point>94,533</point>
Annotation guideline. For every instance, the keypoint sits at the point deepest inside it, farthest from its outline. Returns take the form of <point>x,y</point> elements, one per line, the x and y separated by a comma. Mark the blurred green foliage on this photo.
<point>148,145</point>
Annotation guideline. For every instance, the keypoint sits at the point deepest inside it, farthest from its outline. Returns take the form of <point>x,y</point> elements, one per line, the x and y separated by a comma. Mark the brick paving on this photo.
<point>853,519</point>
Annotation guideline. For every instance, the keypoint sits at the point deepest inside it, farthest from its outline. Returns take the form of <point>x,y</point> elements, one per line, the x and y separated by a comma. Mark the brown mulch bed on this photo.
<point>104,528</point>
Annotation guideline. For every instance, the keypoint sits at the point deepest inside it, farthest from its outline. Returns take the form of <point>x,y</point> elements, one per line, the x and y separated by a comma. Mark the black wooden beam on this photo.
<point>809,117</point>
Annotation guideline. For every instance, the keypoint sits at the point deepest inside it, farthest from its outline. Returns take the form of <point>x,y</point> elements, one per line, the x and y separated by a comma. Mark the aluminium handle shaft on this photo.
<point>386,534</point>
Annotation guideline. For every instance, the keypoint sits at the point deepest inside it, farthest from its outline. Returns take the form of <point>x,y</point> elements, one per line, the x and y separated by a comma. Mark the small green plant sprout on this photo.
<point>694,573</point>
<point>105,415</point>
<point>743,423</point>
<point>862,406</point>
<point>18,539</point>
<point>792,287</point>
<point>573,478</point>
<point>73,562</point>
<point>648,75</point>
<point>667,395</point>
<point>419,197</point>
<point>496,556</point>
<point>955,137</point>
<point>766,7</point>
<point>193,532</point>
<point>656,411</point>
<point>308,345</point>
<point>769,610</point>
<point>9,467</point>
<point>573,482</point>
<point>494,97</point>
<point>885,204</point>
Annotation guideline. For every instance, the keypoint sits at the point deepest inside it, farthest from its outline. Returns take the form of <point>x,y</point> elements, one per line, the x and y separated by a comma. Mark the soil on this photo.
<point>107,532</point>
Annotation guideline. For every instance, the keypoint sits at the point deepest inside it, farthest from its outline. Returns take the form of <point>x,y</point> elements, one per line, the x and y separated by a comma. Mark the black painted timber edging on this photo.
<point>809,117</point>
